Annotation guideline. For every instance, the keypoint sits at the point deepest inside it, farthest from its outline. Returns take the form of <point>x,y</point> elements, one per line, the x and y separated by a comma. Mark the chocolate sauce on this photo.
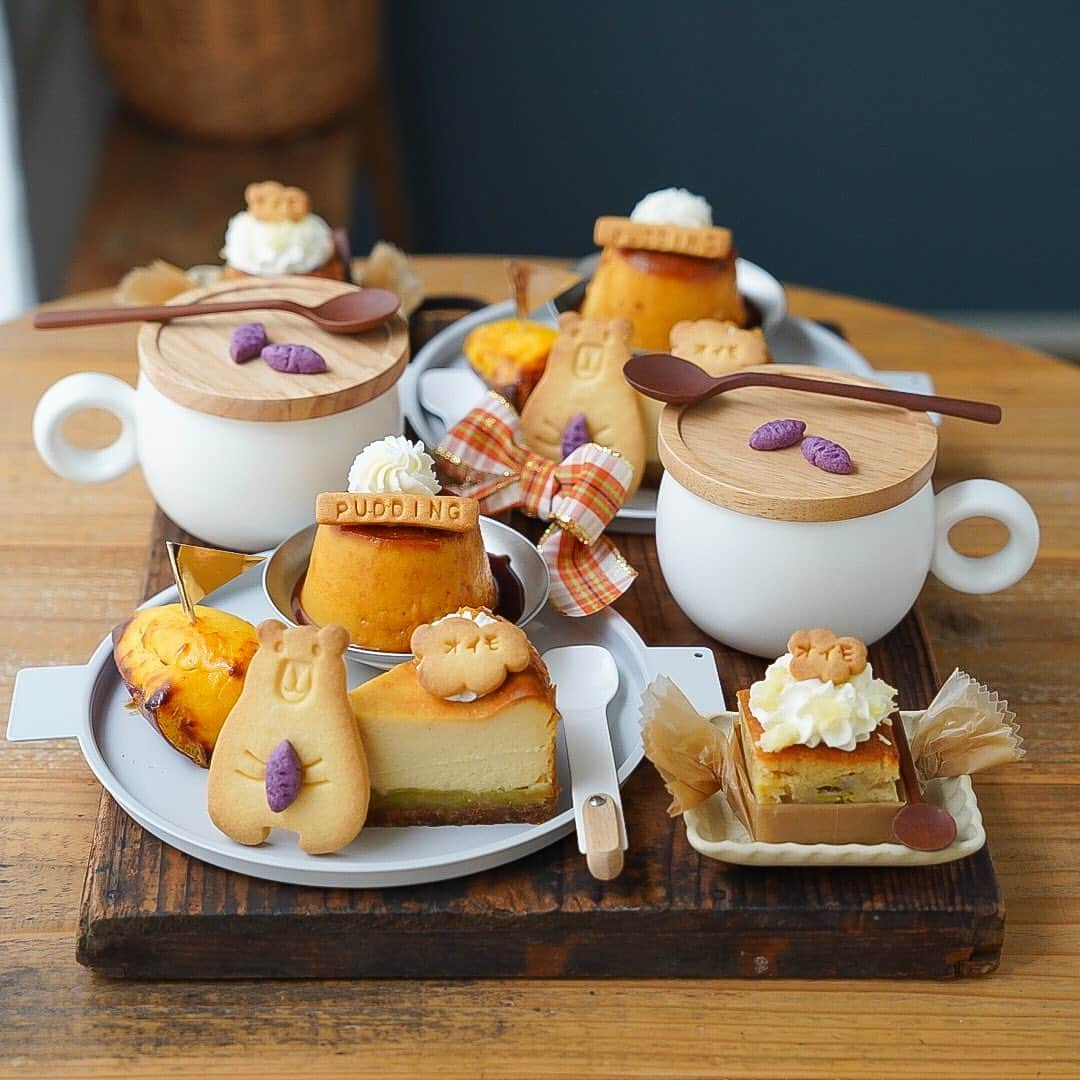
<point>510,602</point>
<point>511,592</point>
<point>676,265</point>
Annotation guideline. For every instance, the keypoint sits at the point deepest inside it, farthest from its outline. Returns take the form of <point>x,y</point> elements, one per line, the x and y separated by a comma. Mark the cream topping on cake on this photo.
<point>811,712</point>
<point>277,247</point>
<point>481,618</point>
<point>673,206</point>
<point>394,464</point>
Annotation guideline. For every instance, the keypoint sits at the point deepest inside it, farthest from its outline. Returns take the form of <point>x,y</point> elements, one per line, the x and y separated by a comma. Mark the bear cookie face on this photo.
<point>302,659</point>
<point>591,348</point>
<point>583,384</point>
<point>290,755</point>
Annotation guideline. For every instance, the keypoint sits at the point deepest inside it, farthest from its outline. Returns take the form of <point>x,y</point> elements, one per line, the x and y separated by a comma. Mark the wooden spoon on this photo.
<point>919,825</point>
<point>679,382</point>
<point>350,313</point>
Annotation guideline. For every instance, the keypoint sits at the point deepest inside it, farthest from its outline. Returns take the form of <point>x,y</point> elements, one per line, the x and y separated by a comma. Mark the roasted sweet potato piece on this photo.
<point>185,677</point>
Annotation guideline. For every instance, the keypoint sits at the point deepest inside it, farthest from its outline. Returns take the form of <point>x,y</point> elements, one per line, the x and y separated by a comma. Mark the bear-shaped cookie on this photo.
<point>584,376</point>
<point>290,755</point>
<point>271,201</point>
<point>468,655</point>
<point>717,346</point>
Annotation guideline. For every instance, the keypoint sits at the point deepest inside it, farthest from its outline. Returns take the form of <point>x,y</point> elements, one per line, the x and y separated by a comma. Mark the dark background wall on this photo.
<point>927,154</point>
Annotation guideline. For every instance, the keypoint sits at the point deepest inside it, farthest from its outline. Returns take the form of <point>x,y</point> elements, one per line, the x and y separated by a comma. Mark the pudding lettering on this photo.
<point>446,512</point>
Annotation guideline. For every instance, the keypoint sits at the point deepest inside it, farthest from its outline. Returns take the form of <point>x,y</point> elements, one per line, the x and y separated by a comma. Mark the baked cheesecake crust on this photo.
<point>477,813</point>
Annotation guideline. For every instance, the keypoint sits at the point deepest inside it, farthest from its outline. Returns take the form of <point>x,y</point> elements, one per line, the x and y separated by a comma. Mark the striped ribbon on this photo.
<point>579,496</point>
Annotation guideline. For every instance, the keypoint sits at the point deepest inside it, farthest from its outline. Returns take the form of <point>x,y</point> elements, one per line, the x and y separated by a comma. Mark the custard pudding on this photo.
<point>391,553</point>
<point>664,264</point>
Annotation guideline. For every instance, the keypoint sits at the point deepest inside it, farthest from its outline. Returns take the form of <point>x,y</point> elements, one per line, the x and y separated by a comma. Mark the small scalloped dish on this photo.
<point>715,832</point>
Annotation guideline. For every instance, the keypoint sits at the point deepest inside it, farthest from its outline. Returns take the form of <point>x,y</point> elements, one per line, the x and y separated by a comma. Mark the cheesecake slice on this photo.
<point>444,762</point>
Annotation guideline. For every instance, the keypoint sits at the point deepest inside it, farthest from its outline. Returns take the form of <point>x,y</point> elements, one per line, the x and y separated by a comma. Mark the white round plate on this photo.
<point>166,793</point>
<point>439,387</point>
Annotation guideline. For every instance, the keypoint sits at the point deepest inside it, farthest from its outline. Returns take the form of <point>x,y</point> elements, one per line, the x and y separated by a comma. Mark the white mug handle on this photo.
<point>984,498</point>
<point>86,390</point>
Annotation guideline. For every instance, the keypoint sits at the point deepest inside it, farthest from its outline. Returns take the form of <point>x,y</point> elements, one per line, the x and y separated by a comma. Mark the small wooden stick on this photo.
<point>603,847</point>
<point>519,274</point>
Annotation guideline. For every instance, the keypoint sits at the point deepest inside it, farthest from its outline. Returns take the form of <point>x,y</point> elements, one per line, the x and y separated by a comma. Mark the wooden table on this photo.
<point>72,565</point>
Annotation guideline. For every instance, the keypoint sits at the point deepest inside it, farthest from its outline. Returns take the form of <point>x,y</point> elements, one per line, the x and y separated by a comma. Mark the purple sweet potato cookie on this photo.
<point>284,775</point>
<point>247,342</point>
<point>826,454</point>
<point>776,434</point>
<point>575,434</point>
<point>294,359</point>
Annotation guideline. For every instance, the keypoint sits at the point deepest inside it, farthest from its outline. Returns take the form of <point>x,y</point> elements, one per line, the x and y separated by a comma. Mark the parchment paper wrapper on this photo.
<point>686,748</point>
<point>966,728</point>
<point>388,267</point>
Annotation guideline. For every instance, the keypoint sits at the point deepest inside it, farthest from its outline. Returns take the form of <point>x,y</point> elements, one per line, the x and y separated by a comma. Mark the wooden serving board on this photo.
<point>150,911</point>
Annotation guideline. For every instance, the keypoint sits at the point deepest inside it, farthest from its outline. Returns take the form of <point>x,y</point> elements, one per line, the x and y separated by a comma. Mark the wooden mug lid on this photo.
<point>705,447</point>
<point>188,360</point>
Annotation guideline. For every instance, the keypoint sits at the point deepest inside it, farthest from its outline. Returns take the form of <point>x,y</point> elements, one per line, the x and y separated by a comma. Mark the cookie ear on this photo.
<point>569,321</point>
<point>270,632</point>
<point>677,334</point>
<point>334,639</point>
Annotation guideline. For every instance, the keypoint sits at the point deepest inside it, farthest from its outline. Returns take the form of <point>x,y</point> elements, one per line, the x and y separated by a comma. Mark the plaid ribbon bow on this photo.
<point>579,496</point>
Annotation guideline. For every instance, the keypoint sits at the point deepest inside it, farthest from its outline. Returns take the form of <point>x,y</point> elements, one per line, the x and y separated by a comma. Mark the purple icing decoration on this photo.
<point>247,342</point>
<point>826,454</point>
<point>776,434</point>
<point>294,359</point>
<point>284,775</point>
<point>575,434</point>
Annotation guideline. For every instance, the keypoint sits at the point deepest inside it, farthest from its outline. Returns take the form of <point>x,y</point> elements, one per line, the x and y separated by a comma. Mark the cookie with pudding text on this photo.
<point>711,242</point>
<point>290,755</point>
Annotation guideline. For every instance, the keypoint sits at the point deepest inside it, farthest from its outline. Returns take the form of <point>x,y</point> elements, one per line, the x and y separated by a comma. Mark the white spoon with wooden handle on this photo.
<point>586,679</point>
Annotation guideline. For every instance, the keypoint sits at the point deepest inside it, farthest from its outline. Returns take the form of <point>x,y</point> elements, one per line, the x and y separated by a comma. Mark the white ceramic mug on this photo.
<point>750,581</point>
<point>241,484</point>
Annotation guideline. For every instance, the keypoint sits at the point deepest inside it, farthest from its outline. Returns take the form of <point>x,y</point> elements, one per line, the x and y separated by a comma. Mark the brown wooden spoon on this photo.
<point>679,382</point>
<point>350,313</point>
<point>919,825</point>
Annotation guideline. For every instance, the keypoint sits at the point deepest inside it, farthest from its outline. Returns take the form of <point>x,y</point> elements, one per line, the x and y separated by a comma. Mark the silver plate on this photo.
<point>289,562</point>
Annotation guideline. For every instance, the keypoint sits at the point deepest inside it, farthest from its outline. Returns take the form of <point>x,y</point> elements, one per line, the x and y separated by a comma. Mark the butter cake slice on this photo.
<point>801,774</point>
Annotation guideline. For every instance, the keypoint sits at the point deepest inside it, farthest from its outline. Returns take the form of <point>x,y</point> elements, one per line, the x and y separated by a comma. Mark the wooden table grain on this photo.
<point>72,561</point>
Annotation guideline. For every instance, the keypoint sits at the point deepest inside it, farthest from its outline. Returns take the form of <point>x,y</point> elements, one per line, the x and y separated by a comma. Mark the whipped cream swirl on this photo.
<point>277,247</point>
<point>812,712</point>
<point>394,464</point>
<point>673,206</point>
